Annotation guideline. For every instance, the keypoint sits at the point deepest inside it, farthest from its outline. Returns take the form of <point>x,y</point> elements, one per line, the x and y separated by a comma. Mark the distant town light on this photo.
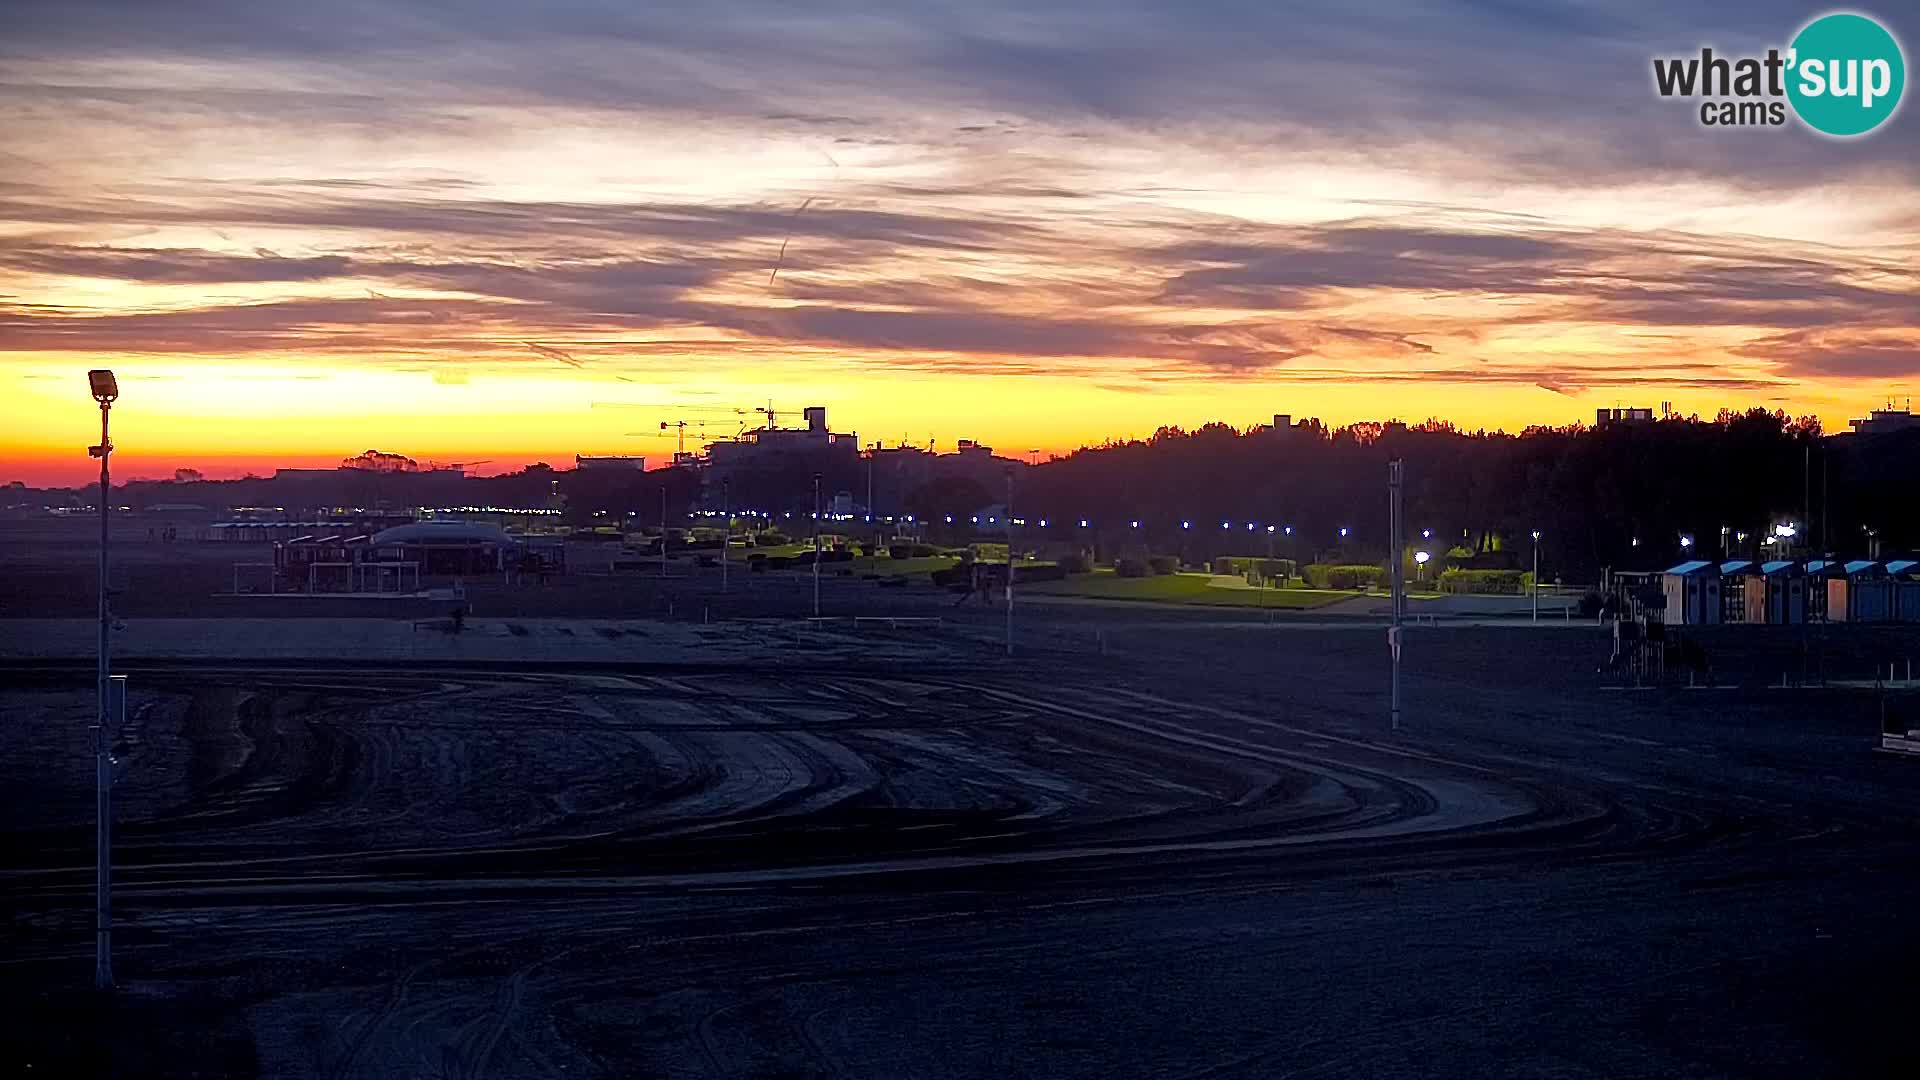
<point>1083,523</point>
<point>1269,528</point>
<point>1136,523</point>
<point>1288,530</point>
<point>1343,531</point>
<point>1186,524</point>
<point>1043,523</point>
<point>1426,534</point>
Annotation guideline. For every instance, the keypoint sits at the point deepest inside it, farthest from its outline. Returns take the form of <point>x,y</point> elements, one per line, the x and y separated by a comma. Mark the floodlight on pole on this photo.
<point>106,390</point>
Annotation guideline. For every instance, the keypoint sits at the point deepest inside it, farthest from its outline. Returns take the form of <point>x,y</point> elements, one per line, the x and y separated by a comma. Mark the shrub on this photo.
<point>1163,564</point>
<point>770,538</point>
<point>953,576</point>
<point>1075,562</point>
<point>1349,576</point>
<point>1132,568</point>
<point>1493,582</point>
<point>1039,572</point>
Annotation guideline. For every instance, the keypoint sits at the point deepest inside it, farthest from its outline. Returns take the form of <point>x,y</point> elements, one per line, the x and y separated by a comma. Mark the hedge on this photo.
<point>1163,564</point>
<point>1494,582</point>
<point>1244,565</point>
<point>1329,576</point>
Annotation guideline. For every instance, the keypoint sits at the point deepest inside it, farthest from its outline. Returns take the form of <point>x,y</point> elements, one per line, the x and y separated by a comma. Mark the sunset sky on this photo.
<point>463,231</point>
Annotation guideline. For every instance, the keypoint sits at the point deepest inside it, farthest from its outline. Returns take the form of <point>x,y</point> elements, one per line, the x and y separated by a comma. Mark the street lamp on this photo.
<point>106,390</point>
<point>1420,561</point>
<point>1536,575</point>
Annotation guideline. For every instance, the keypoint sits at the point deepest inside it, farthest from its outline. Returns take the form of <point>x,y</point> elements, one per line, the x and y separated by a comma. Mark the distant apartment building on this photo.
<point>611,462</point>
<point>1606,417</point>
<point>1885,421</point>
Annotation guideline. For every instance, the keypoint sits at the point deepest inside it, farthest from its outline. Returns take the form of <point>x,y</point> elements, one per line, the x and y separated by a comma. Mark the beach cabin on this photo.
<point>1733,592</point>
<point>1904,575</point>
<point>1859,592</point>
<point>1775,593</point>
<point>1693,593</point>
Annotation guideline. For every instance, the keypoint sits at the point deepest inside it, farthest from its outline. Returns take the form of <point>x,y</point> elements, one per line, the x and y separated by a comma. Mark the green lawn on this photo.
<point>886,567</point>
<point>1180,589</point>
<point>802,547</point>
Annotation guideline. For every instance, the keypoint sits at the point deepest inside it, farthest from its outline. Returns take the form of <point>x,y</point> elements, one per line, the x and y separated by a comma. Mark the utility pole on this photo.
<point>1396,476</point>
<point>105,390</point>
<point>726,532</point>
<point>1009,560</point>
<point>663,530</point>
<point>816,545</point>
<point>873,518</point>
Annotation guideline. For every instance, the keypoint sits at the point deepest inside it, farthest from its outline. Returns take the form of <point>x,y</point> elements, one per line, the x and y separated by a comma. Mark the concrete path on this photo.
<point>510,640</point>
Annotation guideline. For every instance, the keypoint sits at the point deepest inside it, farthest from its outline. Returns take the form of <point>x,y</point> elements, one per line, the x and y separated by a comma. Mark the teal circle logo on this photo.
<point>1846,74</point>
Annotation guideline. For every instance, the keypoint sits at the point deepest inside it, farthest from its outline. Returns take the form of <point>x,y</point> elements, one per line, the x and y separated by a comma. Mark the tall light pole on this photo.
<point>105,391</point>
<point>816,545</point>
<point>663,530</point>
<point>1396,477</point>
<point>726,531</point>
<point>1009,560</point>
<point>1536,575</point>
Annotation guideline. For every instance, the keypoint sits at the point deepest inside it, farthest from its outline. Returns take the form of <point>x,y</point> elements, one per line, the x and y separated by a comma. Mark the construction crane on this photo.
<point>730,410</point>
<point>453,466</point>
<point>680,448</point>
